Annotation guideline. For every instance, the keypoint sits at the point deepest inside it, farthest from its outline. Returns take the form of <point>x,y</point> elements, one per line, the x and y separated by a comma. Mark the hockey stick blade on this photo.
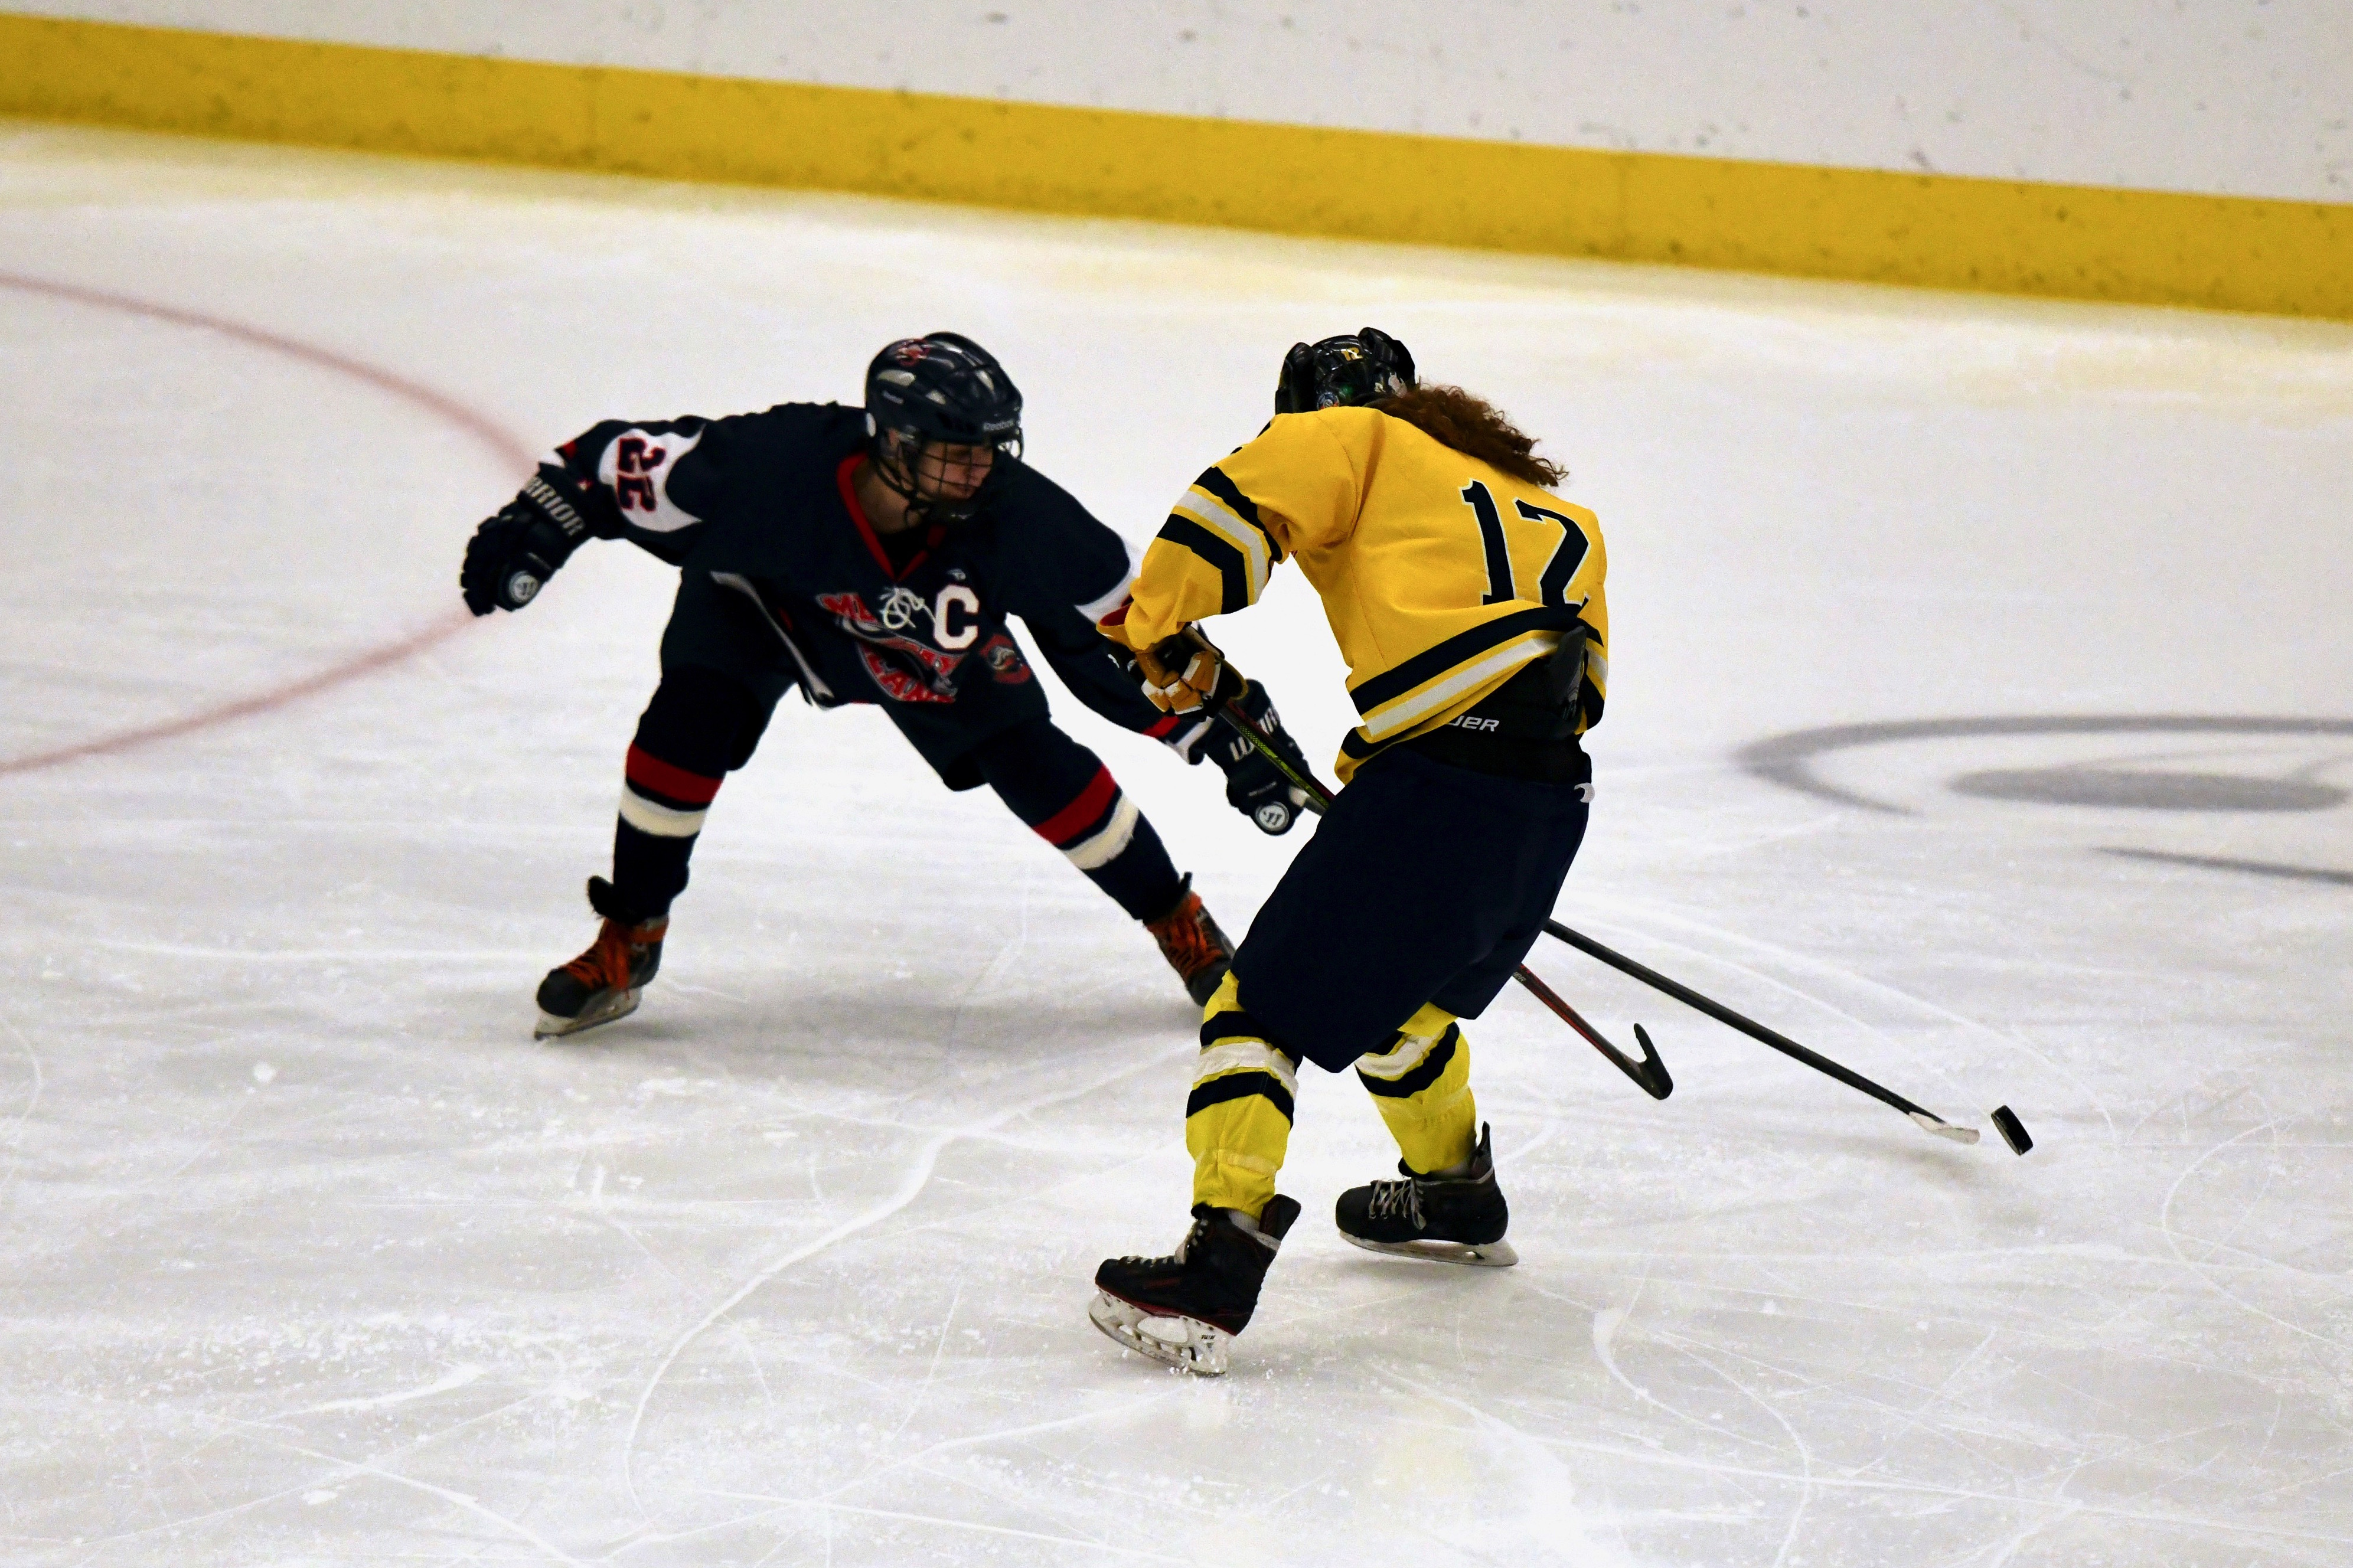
<point>1651,1072</point>
<point>1658,1083</point>
<point>1943,1128</point>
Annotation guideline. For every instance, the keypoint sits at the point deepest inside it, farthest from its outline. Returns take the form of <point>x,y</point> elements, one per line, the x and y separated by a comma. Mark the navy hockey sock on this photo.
<point>699,726</point>
<point>1062,791</point>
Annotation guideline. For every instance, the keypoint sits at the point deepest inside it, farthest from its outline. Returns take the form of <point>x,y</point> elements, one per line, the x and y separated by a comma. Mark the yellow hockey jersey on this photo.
<point>1440,575</point>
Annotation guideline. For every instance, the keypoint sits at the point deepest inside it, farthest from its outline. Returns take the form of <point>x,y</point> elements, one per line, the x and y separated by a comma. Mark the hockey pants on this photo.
<point>1422,889</point>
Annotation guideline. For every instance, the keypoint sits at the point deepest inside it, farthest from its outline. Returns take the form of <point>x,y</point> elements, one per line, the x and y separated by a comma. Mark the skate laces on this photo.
<point>1185,938</point>
<point>1397,1198</point>
<point>606,964</point>
<point>1184,1247</point>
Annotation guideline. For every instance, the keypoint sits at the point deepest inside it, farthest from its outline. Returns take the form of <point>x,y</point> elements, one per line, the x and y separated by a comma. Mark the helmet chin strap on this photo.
<point>891,468</point>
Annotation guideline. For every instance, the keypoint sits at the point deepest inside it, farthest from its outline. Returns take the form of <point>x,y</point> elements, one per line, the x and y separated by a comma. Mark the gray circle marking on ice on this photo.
<point>1789,760</point>
<point>2322,875</point>
<point>2148,789</point>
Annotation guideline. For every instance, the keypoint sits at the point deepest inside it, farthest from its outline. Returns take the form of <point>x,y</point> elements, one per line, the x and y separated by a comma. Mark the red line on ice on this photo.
<point>506,446</point>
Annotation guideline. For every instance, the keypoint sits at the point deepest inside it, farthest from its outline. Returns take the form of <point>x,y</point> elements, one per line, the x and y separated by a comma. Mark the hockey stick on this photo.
<point>1927,1120</point>
<point>1650,1073</point>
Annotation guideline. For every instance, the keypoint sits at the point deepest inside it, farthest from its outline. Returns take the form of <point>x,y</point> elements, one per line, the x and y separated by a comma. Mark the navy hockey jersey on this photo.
<point>759,512</point>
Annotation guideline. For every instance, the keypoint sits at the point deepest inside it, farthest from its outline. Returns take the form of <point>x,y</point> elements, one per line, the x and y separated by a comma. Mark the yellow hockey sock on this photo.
<point>1238,1118</point>
<point>1422,1084</point>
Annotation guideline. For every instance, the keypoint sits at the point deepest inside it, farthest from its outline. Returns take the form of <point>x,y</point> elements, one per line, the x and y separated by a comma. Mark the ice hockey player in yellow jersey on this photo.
<point>1467,600</point>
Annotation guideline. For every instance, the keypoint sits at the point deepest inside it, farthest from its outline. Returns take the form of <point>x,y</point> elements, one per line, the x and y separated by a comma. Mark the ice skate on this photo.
<point>1185,1308</point>
<point>1193,945</point>
<point>604,982</point>
<point>1444,1219</point>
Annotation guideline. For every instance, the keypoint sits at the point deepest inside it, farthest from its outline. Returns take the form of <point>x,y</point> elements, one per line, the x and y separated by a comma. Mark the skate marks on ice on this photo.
<point>268,1441</point>
<point>1961,1356</point>
<point>2315,1279</point>
<point>774,1506</point>
<point>506,451</point>
<point>924,1389</point>
<point>974,1138</point>
<point>1902,1411</point>
<point>2310,1224</point>
<point>32,1103</point>
<point>914,1179</point>
<point>2143,783</point>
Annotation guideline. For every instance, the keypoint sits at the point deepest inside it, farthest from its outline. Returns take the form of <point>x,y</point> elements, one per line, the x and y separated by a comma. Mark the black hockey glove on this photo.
<point>1255,786</point>
<point>514,554</point>
<point>1195,733</point>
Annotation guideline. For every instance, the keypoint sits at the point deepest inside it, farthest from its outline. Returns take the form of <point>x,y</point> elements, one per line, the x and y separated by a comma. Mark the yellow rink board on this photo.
<point>1934,230</point>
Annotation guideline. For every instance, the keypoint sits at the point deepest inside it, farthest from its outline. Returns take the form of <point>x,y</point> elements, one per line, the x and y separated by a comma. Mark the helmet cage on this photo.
<point>915,468</point>
<point>925,397</point>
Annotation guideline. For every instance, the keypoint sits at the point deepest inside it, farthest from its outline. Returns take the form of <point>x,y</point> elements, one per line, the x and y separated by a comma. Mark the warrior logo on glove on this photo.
<point>1186,675</point>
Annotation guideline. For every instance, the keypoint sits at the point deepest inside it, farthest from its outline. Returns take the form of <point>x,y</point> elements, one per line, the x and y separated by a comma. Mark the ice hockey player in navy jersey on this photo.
<point>861,555</point>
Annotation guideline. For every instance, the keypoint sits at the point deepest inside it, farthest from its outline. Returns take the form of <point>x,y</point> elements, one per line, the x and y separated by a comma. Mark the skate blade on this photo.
<point>1483,1254</point>
<point>1186,1343</point>
<point>616,1004</point>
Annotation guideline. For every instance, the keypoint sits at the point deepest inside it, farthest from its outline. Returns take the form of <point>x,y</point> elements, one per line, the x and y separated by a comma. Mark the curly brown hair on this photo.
<point>1475,427</point>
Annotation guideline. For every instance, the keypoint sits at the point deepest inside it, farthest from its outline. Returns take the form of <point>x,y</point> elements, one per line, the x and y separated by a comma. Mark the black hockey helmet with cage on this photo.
<point>943,386</point>
<point>1345,372</point>
<point>941,389</point>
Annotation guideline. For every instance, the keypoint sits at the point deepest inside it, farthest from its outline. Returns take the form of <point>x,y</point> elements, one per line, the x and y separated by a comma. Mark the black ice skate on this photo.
<point>1193,945</point>
<point>1446,1219</point>
<point>1187,1307</point>
<point>604,982</point>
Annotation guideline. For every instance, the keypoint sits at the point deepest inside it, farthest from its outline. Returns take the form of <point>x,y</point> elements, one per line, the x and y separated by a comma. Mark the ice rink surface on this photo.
<point>311,1256</point>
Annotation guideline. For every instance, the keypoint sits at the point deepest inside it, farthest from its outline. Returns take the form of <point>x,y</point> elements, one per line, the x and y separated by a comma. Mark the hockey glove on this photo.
<point>514,554</point>
<point>1193,736</point>
<point>1254,785</point>
<point>1186,673</point>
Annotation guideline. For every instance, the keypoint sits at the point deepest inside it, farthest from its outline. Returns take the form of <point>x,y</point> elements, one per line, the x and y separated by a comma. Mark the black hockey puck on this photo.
<point>2012,1130</point>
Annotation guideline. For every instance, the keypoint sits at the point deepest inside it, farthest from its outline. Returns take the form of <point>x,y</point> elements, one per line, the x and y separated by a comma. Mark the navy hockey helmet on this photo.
<point>940,389</point>
<point>1345,372</point>
<point>943,386</point>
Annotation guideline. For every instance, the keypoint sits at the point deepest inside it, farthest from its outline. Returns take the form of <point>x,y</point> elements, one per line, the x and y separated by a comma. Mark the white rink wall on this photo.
<point>2226,97</point>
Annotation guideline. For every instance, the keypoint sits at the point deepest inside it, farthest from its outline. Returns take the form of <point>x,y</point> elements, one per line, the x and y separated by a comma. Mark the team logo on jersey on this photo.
<point>898,683</point>
<point>907,670</point>
<point>900,606</point>
<point>1006,664</point>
